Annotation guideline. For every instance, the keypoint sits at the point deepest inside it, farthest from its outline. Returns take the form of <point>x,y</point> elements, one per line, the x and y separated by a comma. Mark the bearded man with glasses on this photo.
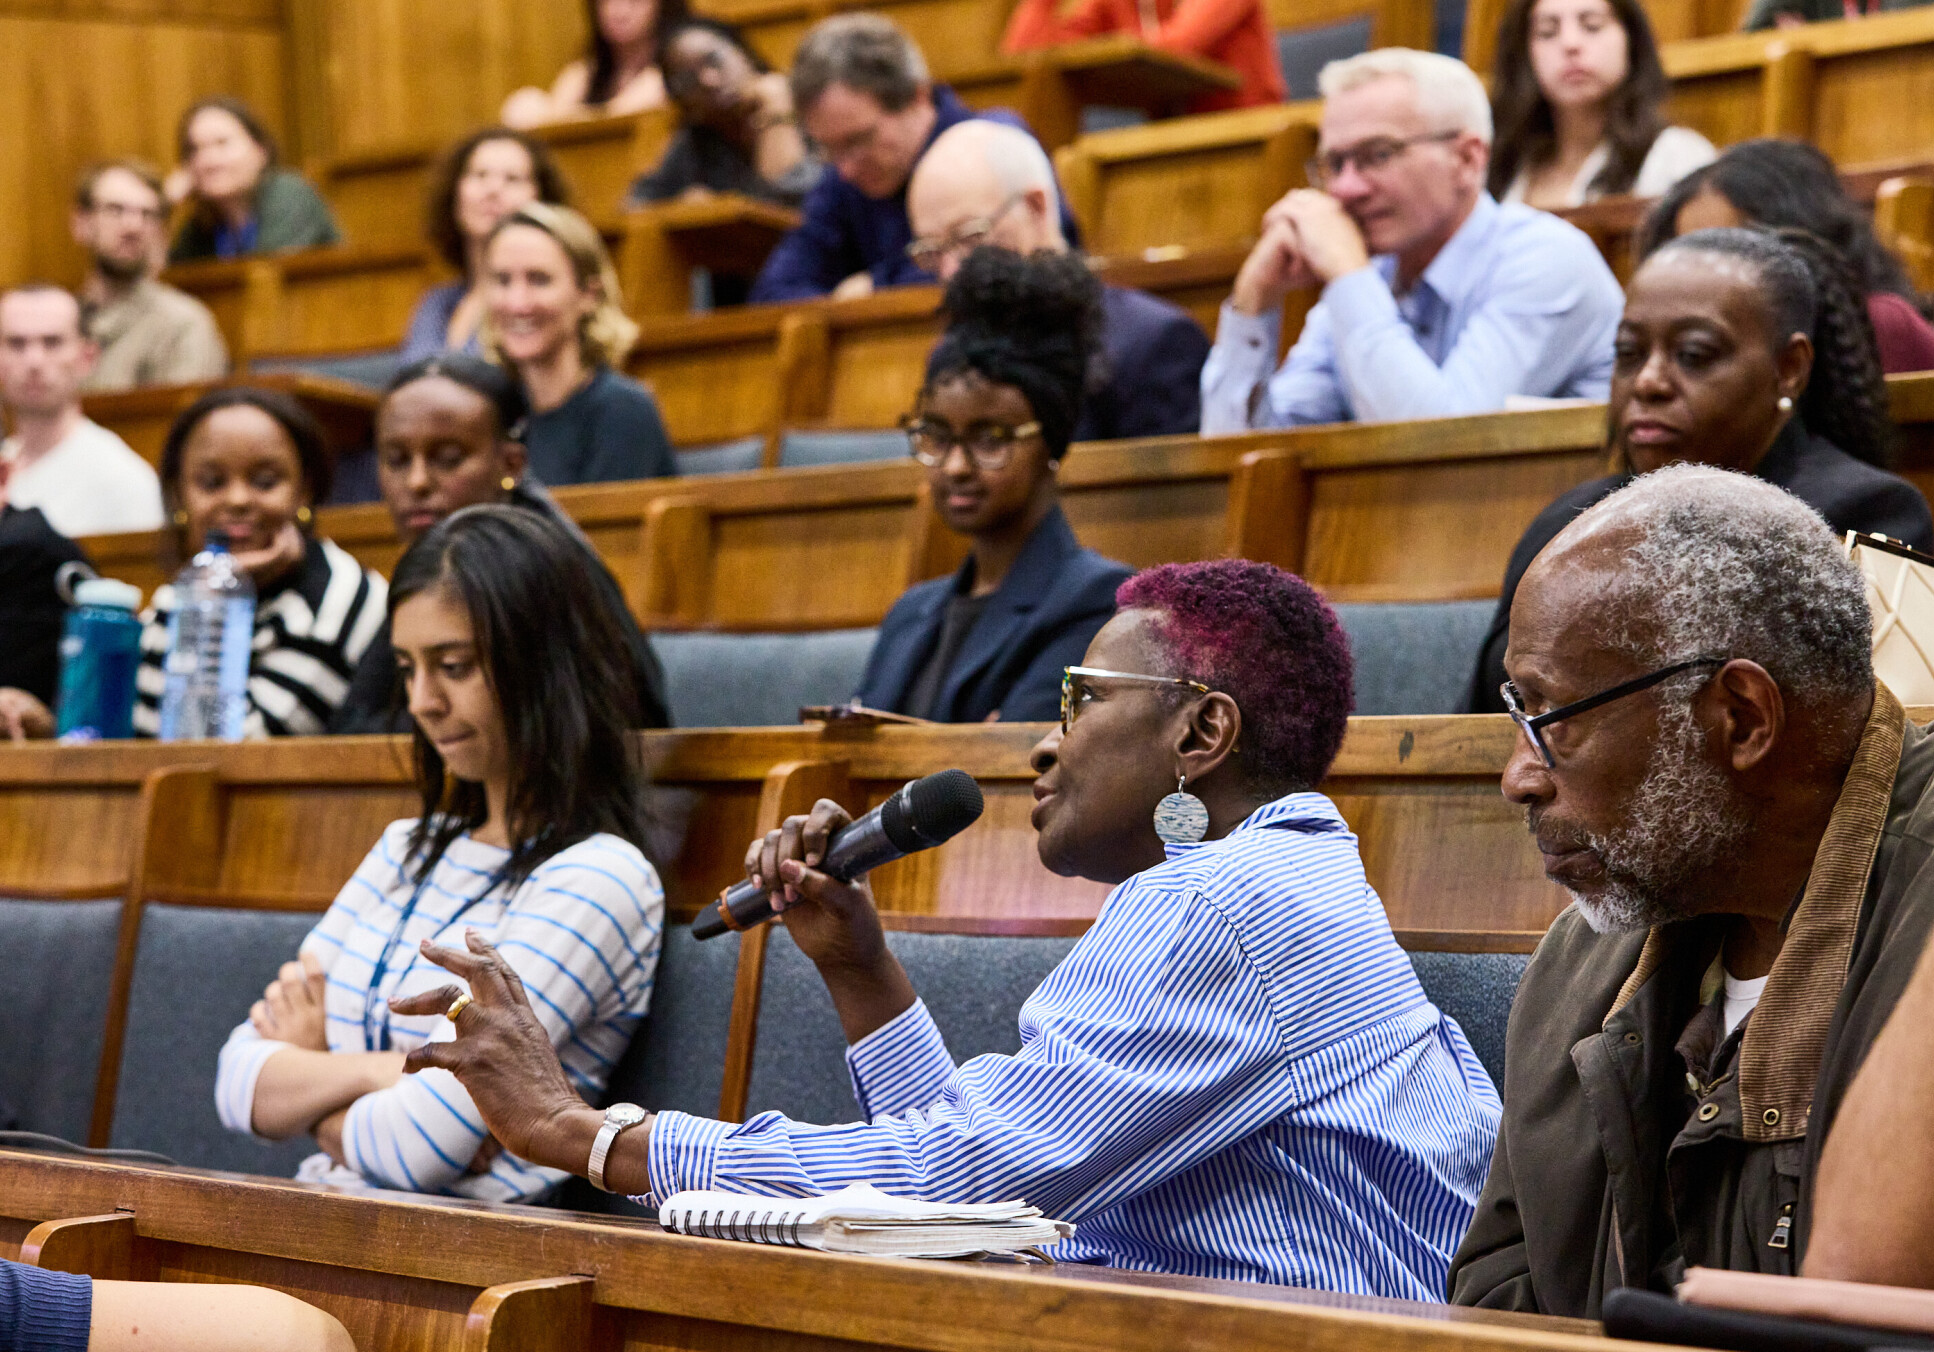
<point>1735,804</point>
<point>1436,300</point>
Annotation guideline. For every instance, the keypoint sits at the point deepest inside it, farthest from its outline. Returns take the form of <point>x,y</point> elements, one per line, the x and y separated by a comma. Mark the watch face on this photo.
<point>624,1114</point>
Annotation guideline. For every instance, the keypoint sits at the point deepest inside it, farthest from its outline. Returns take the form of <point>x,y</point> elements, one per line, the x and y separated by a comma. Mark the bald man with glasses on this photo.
<point>1436,300</point>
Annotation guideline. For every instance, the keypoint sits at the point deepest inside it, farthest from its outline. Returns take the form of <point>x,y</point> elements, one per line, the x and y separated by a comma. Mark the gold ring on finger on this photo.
<point>457,1006</point>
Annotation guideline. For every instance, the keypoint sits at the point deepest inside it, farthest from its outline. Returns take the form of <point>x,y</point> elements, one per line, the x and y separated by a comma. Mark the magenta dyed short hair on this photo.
<point>1266,639</point>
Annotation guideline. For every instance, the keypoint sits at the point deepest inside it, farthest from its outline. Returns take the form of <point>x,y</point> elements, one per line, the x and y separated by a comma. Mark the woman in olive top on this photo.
<point>552,313</point>
<point>993,421</point>
<point>241,201</point>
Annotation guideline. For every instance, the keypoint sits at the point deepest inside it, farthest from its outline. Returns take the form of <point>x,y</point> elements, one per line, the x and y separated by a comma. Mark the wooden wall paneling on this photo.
<point>86,82</point>
<point>1200,181</point>
<point>790,789</point>
<point>538,1315</point>
<point>372,54</point>
<point>404,1273</point>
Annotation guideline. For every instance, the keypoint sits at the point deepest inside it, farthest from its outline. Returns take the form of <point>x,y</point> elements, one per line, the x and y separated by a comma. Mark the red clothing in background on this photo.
<point>1234,32</point>
<point>1906,338</point>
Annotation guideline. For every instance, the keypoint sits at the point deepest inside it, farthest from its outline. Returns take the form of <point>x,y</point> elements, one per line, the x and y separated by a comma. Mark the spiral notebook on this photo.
<point>862,1219</point>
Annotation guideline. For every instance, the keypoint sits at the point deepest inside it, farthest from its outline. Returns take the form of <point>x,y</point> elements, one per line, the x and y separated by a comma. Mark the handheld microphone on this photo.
<point>923,814</point>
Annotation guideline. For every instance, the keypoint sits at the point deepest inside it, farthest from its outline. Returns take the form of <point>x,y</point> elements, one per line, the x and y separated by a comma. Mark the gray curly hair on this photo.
<point>1722,564</point>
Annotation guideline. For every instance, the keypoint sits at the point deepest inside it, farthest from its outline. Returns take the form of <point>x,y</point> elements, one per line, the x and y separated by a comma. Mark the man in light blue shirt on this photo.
<point>1436,301</point>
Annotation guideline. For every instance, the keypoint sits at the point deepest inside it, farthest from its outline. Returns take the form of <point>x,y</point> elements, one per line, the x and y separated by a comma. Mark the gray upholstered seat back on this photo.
<point>676,1059</point>
<point>758,680</point>
<point>197,969</point>
<point>1305,51</point>
<point>59,958</point>
<point>840,448</point>
<point>974,985</point>
<point>1414,658</point>
<point>724,457</point>
<point>1476,989</point>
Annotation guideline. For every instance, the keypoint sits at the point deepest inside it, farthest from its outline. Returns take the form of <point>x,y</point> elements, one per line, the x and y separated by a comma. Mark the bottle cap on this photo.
<point>215,541</point>
<point>107,591</point>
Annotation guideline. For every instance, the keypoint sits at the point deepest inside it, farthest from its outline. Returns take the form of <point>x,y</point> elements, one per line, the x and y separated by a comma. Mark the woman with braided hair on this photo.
<point>991,424</point>
<point>1749,350</point>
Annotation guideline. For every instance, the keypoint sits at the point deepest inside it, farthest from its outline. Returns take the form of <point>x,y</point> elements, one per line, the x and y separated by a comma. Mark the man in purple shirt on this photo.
<point>865,99</point>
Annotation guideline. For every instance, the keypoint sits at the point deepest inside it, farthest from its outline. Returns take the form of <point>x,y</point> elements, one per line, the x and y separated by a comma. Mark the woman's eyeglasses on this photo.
<point>988,445</point>
<point>1075,680</point>
<point>1534,728</point>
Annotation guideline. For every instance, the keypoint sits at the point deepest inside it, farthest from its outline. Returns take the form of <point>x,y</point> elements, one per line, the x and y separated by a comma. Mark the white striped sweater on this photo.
<point>582,932</point>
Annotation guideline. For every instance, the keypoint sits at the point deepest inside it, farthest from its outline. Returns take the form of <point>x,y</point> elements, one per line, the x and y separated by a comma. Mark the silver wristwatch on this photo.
<point>617,1118</point>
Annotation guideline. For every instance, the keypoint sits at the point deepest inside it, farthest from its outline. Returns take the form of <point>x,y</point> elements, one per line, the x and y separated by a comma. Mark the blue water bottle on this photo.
<point>210,636</point>
<point>99,652</point>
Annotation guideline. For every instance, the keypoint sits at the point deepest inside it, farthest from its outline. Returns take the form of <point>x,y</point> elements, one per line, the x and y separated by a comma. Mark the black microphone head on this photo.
<point>930,810</point>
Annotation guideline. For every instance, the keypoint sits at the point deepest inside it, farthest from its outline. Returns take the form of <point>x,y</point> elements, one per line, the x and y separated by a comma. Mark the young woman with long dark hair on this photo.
<point>618,73</point>
<point>530,832</point>
<point>1576,105</point>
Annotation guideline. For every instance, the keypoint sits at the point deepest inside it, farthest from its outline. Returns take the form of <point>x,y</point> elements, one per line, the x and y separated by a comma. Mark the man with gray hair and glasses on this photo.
<point>1436,300</point>
<point>1735,804</point>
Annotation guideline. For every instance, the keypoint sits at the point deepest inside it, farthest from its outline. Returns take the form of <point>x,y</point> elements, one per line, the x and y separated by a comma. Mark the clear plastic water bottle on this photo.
<point>209,637</point>
<point>99,652</point>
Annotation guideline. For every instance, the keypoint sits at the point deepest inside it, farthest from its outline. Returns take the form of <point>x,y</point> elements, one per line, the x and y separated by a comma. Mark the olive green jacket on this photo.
<point>289,214</point>
<point>1616,1167</point>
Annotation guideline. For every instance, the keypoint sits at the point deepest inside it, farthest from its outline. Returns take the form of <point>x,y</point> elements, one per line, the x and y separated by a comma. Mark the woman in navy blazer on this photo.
<point>1002,395</point>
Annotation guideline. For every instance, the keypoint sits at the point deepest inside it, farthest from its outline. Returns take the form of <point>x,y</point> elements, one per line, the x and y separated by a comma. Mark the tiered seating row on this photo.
<point>402,1271</point>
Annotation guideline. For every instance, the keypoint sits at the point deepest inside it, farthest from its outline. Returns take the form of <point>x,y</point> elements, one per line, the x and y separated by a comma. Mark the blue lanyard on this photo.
<point>377,1038</point>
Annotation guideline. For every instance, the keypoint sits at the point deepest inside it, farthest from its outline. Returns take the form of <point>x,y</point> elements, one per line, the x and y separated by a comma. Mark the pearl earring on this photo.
<point>1181,818</point>
<point>1786,403</point>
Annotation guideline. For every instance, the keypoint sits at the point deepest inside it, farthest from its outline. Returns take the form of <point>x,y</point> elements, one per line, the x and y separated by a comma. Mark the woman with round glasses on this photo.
<point>995,417</point>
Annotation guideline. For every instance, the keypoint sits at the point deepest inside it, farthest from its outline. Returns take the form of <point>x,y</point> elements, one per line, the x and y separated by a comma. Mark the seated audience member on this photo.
<point>1738,351</point>
<point>83,478</point>
<point>240,200</point>
<point>1873,1197</point>
<point>47,1311</point>
<point>1789,184</point>
<point>864,97</point>
<point>618,74</point>
<point>1436,300</point>
<point>991,425</point>
<point>984,183</point>
<point>1736,806</point>
<point>447,437</point>
<point>253,463</point>
<point>1578,107</point>
<point>530,830</point>
<point>38,570</point>
<point>148,332</point>
<point>737,131</point>
<point>483,178</point>
<point>554,314</point>
<point>1236,33</point>
<point>1233,1075</point>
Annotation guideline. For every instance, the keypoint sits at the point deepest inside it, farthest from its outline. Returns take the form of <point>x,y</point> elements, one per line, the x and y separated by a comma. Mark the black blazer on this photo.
<point>1147,379</point>
<point>1851,494</point>
<point>1041,619</point>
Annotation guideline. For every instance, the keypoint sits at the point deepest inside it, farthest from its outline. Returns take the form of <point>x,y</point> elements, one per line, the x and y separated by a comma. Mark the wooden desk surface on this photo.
<point>389,1264</point>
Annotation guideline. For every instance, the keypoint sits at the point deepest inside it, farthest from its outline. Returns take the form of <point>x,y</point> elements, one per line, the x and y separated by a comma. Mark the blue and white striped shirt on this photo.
<point>1234,1074</point>
<point>582,933</point>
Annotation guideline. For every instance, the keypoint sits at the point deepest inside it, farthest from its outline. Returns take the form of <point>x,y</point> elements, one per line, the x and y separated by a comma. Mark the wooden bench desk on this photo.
<point>142,417</point>
<point>430,1274</point>
<point>726,233</point>
<point>341,299</point>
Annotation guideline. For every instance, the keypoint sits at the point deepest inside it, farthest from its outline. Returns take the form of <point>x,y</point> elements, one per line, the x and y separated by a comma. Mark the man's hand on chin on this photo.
<point>1327,238</point>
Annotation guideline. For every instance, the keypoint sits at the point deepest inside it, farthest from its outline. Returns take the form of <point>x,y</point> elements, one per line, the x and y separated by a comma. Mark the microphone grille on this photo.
<point>944,804</point>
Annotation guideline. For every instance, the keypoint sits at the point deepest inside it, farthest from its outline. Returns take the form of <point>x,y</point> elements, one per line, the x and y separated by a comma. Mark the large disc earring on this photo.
<point>1181,818</point>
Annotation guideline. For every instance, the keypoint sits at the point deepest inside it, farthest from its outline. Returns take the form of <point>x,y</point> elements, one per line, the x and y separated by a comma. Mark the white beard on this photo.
<point>1682,817</point>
